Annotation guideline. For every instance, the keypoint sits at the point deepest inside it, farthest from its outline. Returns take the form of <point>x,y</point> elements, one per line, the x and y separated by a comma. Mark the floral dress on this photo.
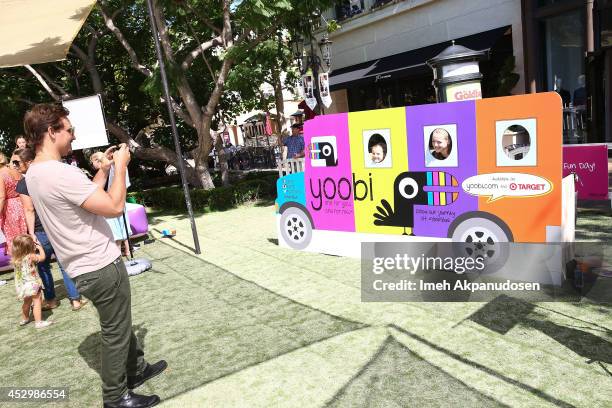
<point>12,218</point>
<point>27,281</point>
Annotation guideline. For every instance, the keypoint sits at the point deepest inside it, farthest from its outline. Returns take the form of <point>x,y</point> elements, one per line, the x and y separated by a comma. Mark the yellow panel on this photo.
<point>378,181</point>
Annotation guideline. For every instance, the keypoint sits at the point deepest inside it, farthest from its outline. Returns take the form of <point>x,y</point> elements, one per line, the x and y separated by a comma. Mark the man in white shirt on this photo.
<point>72,209</point>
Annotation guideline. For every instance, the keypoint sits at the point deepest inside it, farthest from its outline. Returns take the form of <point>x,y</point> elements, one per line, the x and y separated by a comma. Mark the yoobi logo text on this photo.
<point>342,189</point>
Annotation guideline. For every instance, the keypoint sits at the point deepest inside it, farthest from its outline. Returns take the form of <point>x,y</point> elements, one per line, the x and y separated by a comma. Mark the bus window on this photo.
<point>516,142</point>
<point>377,148</point>
<point>440,143</point>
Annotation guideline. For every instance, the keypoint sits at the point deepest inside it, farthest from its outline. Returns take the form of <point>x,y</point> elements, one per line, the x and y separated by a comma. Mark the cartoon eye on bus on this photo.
<point>480,172</point>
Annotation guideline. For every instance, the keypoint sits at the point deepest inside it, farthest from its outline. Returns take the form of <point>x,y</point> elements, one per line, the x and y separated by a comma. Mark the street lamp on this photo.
<point>306,57</point>
<point>325,47</point>
<point>457,74</point>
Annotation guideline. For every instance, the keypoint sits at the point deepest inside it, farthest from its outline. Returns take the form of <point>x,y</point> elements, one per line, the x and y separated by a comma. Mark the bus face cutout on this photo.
<point>488,169</point>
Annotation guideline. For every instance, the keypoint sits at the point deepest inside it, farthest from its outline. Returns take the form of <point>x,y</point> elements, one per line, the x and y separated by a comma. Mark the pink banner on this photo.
<point>590,163</point>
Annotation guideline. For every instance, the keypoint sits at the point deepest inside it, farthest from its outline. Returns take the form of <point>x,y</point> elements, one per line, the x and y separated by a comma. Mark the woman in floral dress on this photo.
<point>12,216</point>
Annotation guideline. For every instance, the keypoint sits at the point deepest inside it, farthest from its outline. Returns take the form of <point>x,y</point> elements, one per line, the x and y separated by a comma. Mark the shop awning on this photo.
<point>408,63</point>
<point>37,31</point>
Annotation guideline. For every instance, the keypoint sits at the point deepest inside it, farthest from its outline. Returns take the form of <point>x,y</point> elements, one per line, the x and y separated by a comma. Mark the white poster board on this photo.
<point>87,118</point>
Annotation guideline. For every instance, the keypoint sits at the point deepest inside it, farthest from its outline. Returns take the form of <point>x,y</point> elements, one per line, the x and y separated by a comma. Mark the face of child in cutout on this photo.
<point>440,142</point>
<point>378,155</point>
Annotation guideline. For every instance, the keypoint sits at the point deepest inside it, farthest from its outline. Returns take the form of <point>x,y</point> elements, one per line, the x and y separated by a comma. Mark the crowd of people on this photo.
<point>49,207</point>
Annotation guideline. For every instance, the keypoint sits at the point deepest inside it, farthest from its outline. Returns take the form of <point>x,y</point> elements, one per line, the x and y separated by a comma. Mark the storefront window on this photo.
<point>564,45</point>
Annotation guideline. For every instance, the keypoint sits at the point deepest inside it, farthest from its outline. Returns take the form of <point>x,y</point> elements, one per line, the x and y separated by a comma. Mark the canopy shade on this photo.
<point>37,31</point>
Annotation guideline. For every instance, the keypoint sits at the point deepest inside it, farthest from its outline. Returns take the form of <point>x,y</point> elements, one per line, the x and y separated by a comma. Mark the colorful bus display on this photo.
<point>474,171</point>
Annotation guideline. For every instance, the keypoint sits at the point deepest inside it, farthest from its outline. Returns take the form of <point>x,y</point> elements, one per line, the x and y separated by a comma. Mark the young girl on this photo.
<point>440,144</point>
<point>26,254</point>
<point>117,224</point>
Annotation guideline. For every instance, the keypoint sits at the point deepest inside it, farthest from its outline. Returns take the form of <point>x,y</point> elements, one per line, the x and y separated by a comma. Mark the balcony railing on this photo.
<point>346,9</point>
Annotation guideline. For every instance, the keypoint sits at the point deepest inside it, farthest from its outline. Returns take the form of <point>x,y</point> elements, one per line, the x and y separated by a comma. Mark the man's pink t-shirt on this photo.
<point>83,241</point>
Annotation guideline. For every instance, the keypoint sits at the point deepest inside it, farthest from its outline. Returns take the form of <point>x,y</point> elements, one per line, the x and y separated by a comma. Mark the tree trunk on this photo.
<point>223,168</point>
<point>200,175</point>
<point>281,123</point>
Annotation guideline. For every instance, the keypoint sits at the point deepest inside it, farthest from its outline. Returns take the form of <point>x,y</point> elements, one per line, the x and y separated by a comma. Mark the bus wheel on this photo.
<point>485,239</point>
<point>296,228</point>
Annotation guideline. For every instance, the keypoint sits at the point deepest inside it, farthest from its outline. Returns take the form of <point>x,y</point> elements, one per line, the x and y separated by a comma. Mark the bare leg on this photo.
<point>25,308</point>
<point>37,299</point>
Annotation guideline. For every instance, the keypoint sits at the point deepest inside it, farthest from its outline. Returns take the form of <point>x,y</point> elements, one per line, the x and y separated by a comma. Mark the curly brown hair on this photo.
<point>39,119</point>
<point>23,245</point>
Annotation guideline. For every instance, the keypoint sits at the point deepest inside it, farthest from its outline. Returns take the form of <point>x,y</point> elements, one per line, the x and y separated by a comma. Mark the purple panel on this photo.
<point>4,258</point>
<point>433,221</point>
<point>138,219</point>
<point>329,179</point>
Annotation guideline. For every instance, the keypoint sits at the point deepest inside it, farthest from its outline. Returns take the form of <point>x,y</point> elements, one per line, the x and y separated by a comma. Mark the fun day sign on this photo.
<point>590,163</point>
<point>427,173</point>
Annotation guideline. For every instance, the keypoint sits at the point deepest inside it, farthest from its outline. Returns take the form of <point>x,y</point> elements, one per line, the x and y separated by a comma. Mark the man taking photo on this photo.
<point>72,209</point>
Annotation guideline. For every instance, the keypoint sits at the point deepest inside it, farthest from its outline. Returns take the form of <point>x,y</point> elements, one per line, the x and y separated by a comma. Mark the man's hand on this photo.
<point>108,153</point>
<point>122,156</point>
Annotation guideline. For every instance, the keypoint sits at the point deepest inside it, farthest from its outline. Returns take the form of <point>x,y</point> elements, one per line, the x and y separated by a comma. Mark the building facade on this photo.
<point>379,53</point>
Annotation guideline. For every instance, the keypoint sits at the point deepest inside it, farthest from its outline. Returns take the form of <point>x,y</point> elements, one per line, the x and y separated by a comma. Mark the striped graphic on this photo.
<point>314,151</point>
<point>441,179</point>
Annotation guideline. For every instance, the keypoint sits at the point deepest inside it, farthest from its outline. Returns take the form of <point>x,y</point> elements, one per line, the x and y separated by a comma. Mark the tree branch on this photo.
<point>187,95</point>
<point>204,19</point>
<point>162,28</point>
<point>44,84</point>
<point>227,25</point>
<point>90,64</point>
<point>259,38</point>
<point>110,24</point>
<point>53,83</point>
<point>200,50</point>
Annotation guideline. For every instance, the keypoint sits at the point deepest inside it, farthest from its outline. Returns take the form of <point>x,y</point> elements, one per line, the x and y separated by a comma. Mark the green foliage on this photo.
<point>332,25</point>
<point>131,99</point>
<point>255,186</point>
<point>221,198</point>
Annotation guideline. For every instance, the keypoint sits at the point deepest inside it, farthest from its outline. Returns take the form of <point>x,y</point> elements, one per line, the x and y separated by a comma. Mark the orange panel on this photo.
<point>527,217</point>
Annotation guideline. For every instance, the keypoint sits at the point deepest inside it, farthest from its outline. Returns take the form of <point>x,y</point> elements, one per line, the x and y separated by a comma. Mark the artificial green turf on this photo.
<point>249,324</point>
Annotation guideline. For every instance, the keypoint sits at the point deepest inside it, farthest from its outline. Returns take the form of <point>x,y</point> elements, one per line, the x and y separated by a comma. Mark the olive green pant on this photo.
<point>109,290</point>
